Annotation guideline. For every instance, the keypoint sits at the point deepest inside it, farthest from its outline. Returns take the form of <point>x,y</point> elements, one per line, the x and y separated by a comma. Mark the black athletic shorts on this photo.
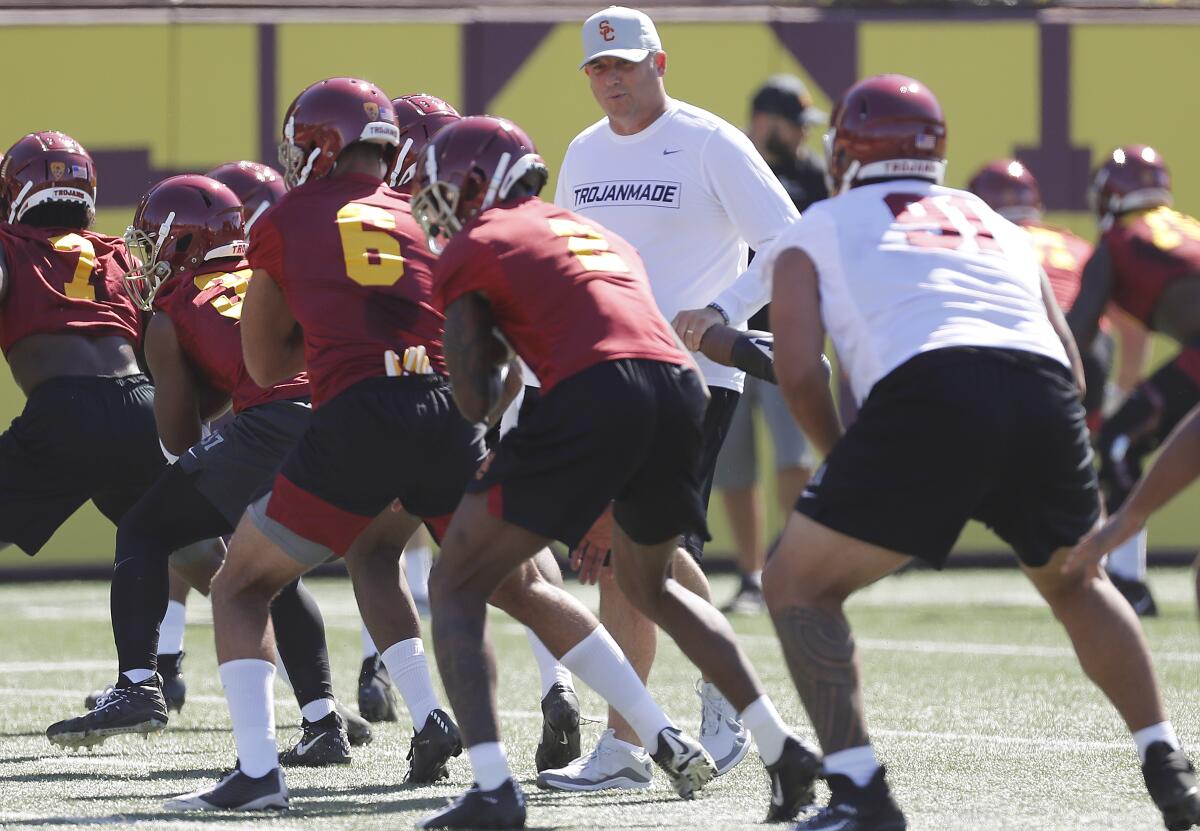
<point>627,431</point>
<point>237,464</point>
<point>717,419</point>
<point>378,440</point>
<point>956,434</point>
<point>78,438</point>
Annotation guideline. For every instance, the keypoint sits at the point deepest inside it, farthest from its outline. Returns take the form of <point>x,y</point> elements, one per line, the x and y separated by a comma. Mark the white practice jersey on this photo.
<point>908,266</point>
<point>693,195</point>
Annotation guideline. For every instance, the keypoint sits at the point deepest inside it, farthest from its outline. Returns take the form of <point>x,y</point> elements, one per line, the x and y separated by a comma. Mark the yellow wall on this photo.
<point>189,96</point>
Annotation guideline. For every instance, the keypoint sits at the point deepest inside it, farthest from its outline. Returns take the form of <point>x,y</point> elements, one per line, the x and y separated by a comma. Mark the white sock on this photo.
<point>247,684</point>
<point>1128,559</point>
<point>1161,732</point>
<point>170,631</point>
<point>137,676</point>
<point>600,663</point>
<point>551,670</point>
<point>489,765</point>
<point>417,563</point>
<point>317,710</point>
<point>370,650</point>
<point>406,664</point>
<point>857,763</point>
<point>768,729</point>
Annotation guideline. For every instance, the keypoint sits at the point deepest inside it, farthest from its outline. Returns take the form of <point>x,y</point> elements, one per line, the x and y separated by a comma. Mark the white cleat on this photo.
<point>611,765</point>
<point>721,730</point>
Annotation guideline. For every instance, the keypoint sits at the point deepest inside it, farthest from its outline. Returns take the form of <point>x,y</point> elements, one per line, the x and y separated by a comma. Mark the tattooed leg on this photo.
<point>808,577</point>
<point>820,654</point>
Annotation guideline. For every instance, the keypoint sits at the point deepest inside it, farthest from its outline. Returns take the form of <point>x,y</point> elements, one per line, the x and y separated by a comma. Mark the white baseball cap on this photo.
<point>620,32</point>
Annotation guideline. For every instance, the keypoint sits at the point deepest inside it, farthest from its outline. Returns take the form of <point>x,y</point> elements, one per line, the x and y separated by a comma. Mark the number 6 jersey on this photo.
<point>63,281</point>
<point>907,267</point>
<point>354,269</point>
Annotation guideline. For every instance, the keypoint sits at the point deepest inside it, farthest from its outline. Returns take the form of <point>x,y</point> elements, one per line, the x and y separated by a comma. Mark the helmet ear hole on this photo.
<point>184,242</point>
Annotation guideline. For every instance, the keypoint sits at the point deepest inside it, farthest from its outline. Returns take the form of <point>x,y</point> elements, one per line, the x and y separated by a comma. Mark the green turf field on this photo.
<point>972,694</point>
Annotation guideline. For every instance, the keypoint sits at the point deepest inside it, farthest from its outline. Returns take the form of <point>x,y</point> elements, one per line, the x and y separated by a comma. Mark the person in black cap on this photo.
<point>781,113</point>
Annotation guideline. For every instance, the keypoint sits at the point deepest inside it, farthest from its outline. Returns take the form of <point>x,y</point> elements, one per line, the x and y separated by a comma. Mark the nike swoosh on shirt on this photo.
<point>671,152</point>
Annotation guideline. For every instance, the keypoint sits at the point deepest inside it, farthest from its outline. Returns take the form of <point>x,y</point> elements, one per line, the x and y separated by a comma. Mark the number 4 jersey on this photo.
<point>907,267</point>
<point>62,281</point>
<point>205,307</point>
<point>353,265</point>
<point>567,294</point>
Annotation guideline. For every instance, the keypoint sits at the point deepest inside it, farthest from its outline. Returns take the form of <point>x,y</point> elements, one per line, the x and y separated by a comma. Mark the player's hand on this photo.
<point>691,325</point>
<point>594,552</point>
<point>1087,555</point>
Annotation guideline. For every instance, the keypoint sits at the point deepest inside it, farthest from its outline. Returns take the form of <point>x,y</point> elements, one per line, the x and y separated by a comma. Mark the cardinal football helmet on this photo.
<point>181,223</point>
<point>1132,177</point>
<point>888,126</point>
<point>419,118</point>
<point>328,117</point>
<point>46,167</point>
<point>1009,189</point>
<point>470,166</point>
<point>257,186</point>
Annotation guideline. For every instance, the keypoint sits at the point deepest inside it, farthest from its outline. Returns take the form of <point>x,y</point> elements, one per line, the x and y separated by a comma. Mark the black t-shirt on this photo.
<point>804,180</point>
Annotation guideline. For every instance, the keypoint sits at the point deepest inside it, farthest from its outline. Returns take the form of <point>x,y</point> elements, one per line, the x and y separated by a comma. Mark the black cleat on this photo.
<point>357,728</point>
<point>376,693</point>
<point>748,600</point>
<point>431,748</point>
<point>123,708</point>
<point>503,807</point>
<point>1137,593</point>
<point>560,729</point>
<point>236,792</point>
<point>852,808</point>
<point>170,667</point>
<point>684,760</point>
<point>1171,781</point>
<point>792,778</point>
<point>324,743</point>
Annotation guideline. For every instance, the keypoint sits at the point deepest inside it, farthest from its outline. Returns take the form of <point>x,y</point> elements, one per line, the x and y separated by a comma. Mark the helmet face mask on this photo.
<point>143,281</point>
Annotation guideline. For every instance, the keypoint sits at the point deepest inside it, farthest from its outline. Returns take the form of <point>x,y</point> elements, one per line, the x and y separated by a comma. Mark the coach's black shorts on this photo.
<point>237,464</point>
<point>78,438</point>
<point>378,440</point>
<point>629,431</point>
<point>956,434</point>
<point>717,420</point>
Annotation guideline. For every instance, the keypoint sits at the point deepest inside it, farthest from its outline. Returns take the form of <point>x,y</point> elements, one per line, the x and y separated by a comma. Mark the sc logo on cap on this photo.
<point>607,32</point>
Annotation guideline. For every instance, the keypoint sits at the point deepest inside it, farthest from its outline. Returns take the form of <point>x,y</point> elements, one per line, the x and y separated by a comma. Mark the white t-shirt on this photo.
<point>693,195</point>
<point>907,266</point>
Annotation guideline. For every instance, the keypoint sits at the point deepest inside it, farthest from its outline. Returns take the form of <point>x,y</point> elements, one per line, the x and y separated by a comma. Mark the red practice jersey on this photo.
<point>1062,255</point>
<point>566,293</point>
<point>1150,249</point>
<point>63,281</point>
<point>205,308</point>
<point>353,265</point>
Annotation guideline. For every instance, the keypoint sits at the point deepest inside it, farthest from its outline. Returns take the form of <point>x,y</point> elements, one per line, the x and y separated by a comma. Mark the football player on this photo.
<point>70,335</point>
<point>419,118</point>
<point>574,301</point>
<point>1147,262</point>
<point>340,285</point>
<point>189,235</point>
<point>970,386</point>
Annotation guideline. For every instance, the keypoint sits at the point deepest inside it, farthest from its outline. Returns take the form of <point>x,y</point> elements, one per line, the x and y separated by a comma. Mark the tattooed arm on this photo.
<point>484,374</point>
